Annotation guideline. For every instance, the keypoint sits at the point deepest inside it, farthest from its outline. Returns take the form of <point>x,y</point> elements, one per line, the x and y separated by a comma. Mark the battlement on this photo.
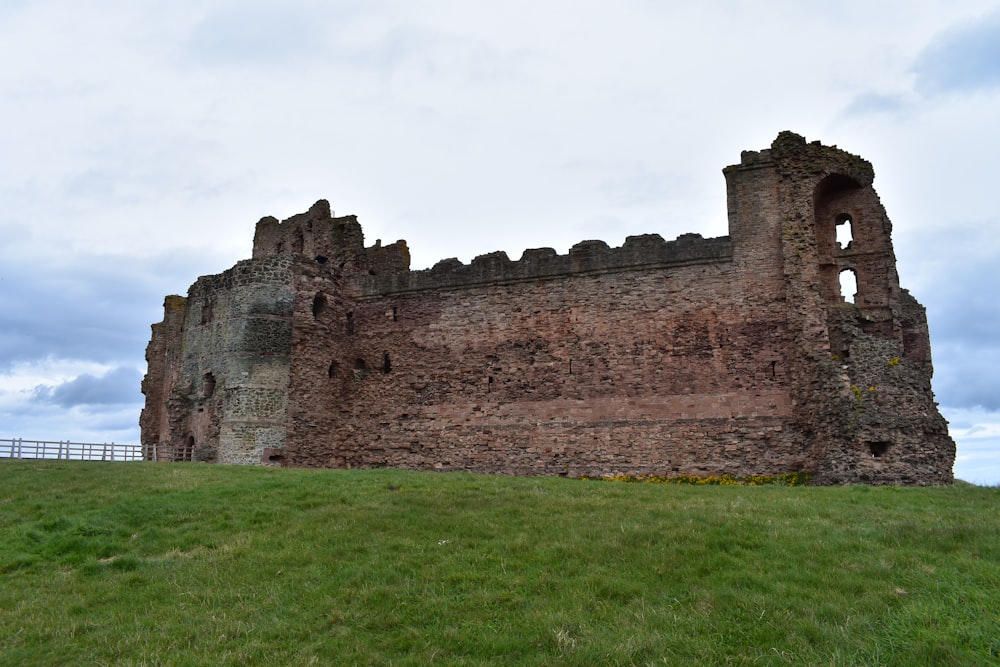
<point>338,242</point>
<point>648,251</point>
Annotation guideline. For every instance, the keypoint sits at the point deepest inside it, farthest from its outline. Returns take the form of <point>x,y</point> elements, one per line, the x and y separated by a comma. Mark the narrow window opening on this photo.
<point>359,364</point>
<point>570,366</point>
<point>848,285</point>
<point>332,370</point>
<point>878,449</point>
<point>208,385</point>
<point>845,231</point>
<point>319,305</point>
<point>489,384</point>
<point>386,366</point>
<point>300,242</point>
<point>350,323</point>
<point>395,314</point>
<point>774,372</point>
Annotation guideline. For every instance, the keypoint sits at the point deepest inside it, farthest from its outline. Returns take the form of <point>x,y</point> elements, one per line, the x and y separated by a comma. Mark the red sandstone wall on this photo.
<point>163,360</point>
<point>677,370</point>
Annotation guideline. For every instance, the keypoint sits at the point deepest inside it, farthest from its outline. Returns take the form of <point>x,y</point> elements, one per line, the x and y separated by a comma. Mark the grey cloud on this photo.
<point>964,377</point>
<point>12,7</point>
<point>256,33</point>
<point>117,387</point>
<point>96,308</point>
<point>960,296</point>
<point>964,58</point>
<point>874,103</point>
<point>46,420</point>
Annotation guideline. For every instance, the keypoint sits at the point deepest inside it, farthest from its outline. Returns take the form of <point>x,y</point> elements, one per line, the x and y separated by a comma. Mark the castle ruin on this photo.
<point>736,354</point>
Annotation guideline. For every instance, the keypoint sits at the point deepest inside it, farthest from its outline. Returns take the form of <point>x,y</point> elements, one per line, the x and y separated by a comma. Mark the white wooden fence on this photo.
<point>18,448</point>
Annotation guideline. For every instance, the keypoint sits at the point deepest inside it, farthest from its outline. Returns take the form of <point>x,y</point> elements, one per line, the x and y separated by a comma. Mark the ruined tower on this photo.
<point>737,354</point>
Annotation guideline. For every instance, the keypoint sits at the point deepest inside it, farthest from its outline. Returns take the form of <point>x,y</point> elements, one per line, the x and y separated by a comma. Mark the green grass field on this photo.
<point>186,564</point>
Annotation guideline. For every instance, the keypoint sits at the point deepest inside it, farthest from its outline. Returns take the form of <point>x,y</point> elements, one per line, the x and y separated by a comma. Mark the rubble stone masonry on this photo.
<point>695,356</point>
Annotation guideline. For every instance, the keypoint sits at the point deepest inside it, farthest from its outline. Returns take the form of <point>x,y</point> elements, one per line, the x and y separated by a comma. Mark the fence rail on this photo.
<point>18,448</point>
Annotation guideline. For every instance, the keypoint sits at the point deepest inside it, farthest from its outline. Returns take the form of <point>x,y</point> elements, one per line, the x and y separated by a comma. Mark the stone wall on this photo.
<point>698,356</point>
<point>220,380</point>
<point>617,370</point>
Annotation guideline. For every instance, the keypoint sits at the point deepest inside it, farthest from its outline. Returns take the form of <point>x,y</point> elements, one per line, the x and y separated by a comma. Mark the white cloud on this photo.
<point>117,386</point>
<point>143,141</point>
<point>963,58</point>
<point>70,399</point>
<point>977,432</point>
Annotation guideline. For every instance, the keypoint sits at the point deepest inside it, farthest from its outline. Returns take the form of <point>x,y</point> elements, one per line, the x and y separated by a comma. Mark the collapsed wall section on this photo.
<point>862,365</point>
<point>159,385</point>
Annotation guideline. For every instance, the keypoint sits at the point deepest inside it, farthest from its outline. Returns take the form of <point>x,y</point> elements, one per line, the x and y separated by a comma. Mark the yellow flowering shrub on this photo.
<point>783,479</point>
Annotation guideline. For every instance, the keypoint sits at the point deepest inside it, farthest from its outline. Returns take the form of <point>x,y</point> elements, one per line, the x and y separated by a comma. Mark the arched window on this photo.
<point>848,285</point>
<point>845,231</point>
<point>386,366</point>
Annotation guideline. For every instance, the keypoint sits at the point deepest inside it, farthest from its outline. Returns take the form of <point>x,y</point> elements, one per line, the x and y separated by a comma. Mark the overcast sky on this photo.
<point>142,140</point>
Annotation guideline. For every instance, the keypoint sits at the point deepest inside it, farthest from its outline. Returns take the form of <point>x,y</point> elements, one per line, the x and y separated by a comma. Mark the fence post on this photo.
<point>18,448</point>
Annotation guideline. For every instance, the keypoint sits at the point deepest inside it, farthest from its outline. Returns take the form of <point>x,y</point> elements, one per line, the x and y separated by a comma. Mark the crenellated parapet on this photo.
<point>339,243</point>
<point>645,252</point>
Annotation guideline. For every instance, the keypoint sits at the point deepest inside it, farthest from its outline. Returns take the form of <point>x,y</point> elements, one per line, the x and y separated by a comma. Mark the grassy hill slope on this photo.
<point>181,564</point>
